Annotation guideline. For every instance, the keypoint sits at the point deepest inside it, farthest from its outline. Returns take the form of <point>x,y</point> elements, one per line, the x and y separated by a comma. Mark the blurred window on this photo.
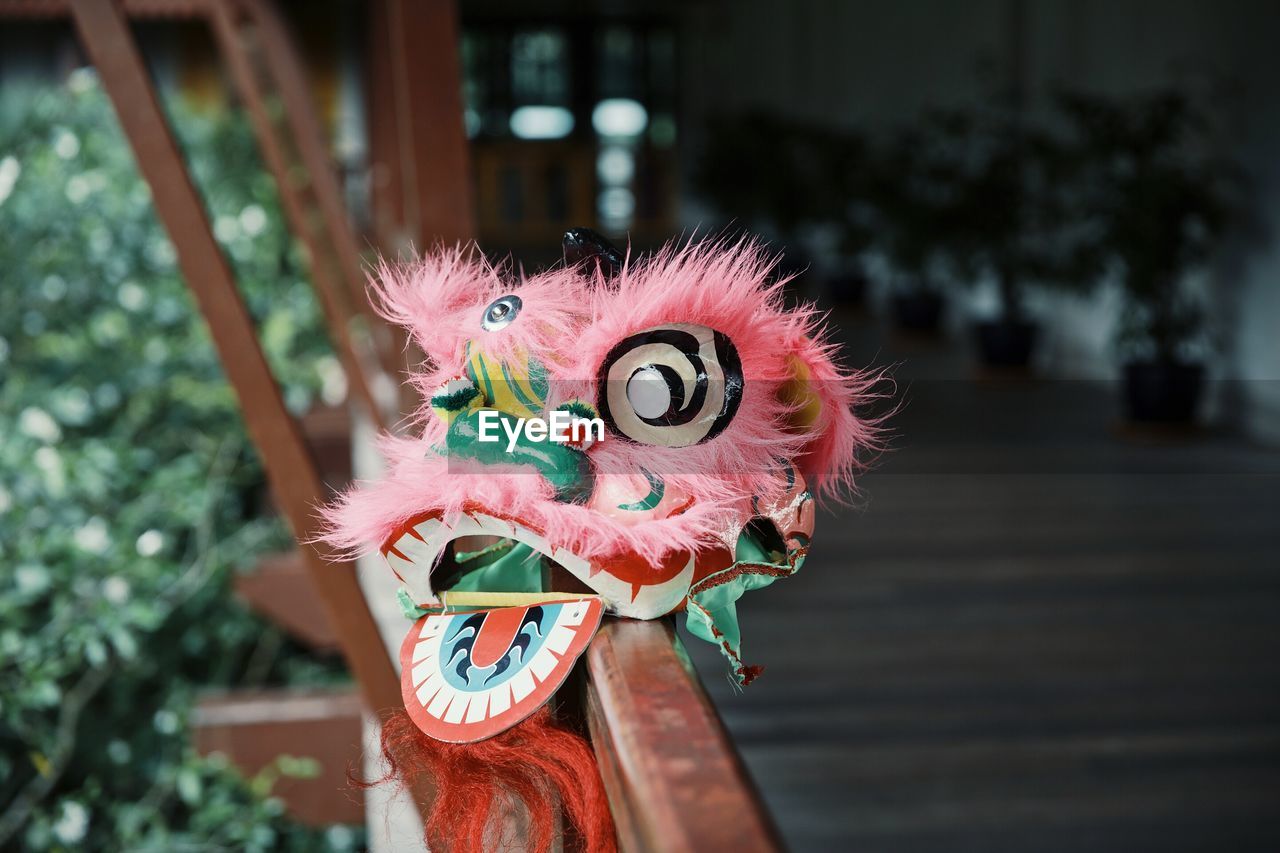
<point>541,122</point>
<point>571,121</point>
<point>540,68</point>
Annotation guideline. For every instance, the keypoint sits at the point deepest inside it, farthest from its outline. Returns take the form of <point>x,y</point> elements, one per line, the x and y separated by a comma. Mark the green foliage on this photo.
<point>125,486</point>
<point>1126,184</point>
<point>780,176</point>
<point>910,191</point>
<point>997,211</point>
<point>1154,200</point>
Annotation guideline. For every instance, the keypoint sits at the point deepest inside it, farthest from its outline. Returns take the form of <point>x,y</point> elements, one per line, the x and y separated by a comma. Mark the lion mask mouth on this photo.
<point>512,566</point>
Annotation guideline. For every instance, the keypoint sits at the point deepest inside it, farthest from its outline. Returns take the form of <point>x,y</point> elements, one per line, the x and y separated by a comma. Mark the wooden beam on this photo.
<point>284,64</point>
<point>153,9</point>
<point>253,728</point>
<point>290,469</point>
<point>337,280</point>
<point>674,779</point>
<point>386,188</point>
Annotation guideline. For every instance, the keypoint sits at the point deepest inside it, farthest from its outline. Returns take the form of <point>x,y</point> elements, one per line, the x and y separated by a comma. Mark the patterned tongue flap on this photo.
<point>466,676</point>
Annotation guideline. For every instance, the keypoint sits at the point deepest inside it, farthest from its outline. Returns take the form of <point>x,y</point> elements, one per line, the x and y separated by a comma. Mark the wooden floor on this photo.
<point>1040,633</point>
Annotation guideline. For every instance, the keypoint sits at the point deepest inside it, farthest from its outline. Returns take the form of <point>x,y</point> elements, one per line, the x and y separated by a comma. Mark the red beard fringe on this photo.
<point>537,762</point>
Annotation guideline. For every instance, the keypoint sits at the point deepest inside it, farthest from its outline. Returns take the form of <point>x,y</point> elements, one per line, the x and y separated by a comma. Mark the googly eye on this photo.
<point>501,312</point>
<point>648,392</point>
<point>671,386</point>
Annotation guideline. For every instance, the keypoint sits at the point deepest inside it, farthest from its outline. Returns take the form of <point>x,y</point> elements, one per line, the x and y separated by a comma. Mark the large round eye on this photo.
<point>671,386</point>
<point>501,312</point>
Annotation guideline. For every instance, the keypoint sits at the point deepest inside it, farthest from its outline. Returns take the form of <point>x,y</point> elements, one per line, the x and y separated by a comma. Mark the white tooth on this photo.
<point>457,708</point>
<point>421,556</point>
<point>422,650</point>
<point>499,699</point>
<point>438,704</point>
<point>543,664</point>
<point>560,638</point>
<point>577,566</point>
<point>431,627</point>
<point>476,710</point>
<point>430,687</point>
<point>403,568</point>
<point>572,613</point>
<point>427,529</point>
<point>422,670</point>
<point>522,684</point>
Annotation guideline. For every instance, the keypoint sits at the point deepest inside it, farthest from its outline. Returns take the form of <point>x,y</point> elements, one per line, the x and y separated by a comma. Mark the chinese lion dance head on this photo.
<point>719,414</point>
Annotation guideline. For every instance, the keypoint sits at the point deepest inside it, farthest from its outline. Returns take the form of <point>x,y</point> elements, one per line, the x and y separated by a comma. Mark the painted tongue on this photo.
<point>491,659</point>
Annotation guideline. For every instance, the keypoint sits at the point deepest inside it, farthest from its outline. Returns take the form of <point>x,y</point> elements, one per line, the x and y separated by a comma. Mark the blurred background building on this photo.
<point>602,113</point>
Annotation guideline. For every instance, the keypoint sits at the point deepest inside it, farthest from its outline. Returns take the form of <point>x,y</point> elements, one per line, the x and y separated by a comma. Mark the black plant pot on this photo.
<point>1165,392</point>
<point>918,311</point>
<point>1006,343</point>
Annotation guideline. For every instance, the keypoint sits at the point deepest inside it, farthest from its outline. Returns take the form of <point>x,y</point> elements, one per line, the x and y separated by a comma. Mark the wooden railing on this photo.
<point>674,779</point>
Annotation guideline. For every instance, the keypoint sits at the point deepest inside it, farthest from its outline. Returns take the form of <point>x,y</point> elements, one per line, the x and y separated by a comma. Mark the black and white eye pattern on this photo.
<point>672,386</point>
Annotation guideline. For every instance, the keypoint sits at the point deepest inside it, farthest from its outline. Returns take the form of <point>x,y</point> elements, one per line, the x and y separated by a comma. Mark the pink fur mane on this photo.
<point>569,321</point>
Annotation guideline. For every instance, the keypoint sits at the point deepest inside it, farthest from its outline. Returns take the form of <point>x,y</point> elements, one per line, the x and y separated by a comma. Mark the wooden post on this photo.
<point>420,171</point>
<point>418,146</point>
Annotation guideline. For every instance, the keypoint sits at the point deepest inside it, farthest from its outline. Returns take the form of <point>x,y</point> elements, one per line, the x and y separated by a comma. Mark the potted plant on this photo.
<point>1156,201</point>
<point>997,218</point>
<point>909,189</point>
<point>791,180</point>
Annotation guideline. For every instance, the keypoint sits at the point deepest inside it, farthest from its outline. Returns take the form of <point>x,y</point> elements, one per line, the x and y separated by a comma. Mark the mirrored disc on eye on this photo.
<point>501,312</point>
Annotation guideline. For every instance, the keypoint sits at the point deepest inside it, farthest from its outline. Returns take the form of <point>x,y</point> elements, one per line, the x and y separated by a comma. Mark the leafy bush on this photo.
<point>125,478</point>
<point>1156,199</point>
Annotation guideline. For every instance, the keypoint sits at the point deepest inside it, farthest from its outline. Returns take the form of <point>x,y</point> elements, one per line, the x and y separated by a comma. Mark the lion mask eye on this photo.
<point>501,312</point>
<point>671,386</point>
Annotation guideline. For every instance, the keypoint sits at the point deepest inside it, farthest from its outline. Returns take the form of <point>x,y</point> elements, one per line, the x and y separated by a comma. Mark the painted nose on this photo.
<point>488,412</point>
<point>518,386</point>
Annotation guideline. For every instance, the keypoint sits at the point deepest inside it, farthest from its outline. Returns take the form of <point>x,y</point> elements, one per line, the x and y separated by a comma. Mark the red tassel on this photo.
<point>538,762</point>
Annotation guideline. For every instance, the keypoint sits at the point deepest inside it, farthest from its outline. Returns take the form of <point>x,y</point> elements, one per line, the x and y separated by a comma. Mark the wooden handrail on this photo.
<point>674,779</point>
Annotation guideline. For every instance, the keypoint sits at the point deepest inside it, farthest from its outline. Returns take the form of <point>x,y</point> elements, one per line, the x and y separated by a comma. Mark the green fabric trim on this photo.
<point>517,568</point>
<point>455,401</point>
<point>748,550</point>
<point>712,614</point>
<point>579,409</point>
<point>410,610</point>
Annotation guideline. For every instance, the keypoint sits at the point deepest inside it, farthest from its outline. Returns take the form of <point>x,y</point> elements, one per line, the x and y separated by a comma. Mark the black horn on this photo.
<point>583,244</point>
